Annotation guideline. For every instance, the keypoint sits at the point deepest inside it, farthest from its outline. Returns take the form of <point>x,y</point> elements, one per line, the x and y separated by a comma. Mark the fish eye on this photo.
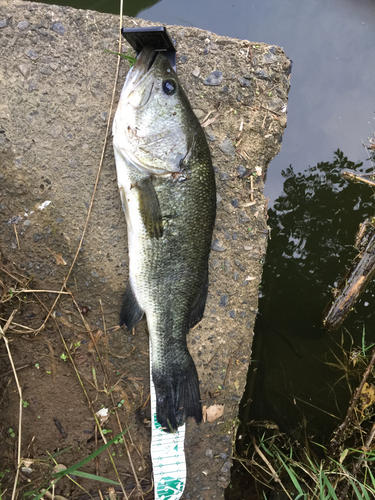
<point>169,87</point>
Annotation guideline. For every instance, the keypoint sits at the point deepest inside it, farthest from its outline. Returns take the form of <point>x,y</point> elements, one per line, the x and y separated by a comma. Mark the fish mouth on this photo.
<point>142,67</point>
<point>145,61</point>
<point>138,82</point>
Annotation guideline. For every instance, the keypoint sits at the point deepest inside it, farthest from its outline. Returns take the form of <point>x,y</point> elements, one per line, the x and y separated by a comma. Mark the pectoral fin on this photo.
<point>149,207</point>
<point>131,314</point>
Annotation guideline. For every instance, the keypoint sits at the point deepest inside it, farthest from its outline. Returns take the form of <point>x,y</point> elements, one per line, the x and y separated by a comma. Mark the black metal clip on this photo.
<point>155,36</point>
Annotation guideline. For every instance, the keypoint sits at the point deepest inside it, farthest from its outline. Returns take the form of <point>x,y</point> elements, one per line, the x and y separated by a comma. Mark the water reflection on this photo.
<point>131,7</point>
<point>313,224</point>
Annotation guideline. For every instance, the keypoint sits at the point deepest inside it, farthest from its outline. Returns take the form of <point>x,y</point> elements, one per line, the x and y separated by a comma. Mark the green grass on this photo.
<point>74,469</point>
<point>304,478</point>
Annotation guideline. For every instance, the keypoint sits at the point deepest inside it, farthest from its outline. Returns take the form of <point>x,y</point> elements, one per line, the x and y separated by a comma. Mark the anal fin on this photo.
<point>131,314</point>
<point>199,304</point>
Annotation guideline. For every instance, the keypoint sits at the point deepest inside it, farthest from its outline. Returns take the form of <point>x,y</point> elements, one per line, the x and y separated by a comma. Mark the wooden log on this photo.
<point>355,280</point>
<point>351,175</point>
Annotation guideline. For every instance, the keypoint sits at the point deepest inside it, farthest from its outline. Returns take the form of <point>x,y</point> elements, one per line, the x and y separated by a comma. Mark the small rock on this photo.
<point>55,129</point>
<point>227,147</point>
<point>263,75</point>
<point>225,89</point>
<point>183,59</point>
<point>239,264</point>
<point>241,171</point>
<point>223,482</point>
<point>25,70</point>
<point>215,263</point>
<point>209,453</point>
<point>239,97</point>
<point>215,78</point>
<point>226,467</point>
<point>54,66</point>
<point>217,246</point>
<point>232,314</point>
<point>235,203</point>
<point>244,217</point>
<point>289,69</point>
<point>37,237</point>
<point>224,176</point>
<point>235,398</point>
<point>42,24</point>
<point>94,274</point>
<point>218,198</point>
<point>58,28</point>
<point>209,134</point>
<point>32,86</point>
<point>32,54</point>
<point>234,235</point>
<point>269,58</point>
<point>3,23</point>
<point>223,301</point>
<point>46,70</point>
<point>244,82</point>
<point>196,71</point>
<point>23,25</point>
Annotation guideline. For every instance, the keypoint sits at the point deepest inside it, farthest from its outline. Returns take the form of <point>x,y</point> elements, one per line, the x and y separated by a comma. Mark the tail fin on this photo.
<point>177,395</point>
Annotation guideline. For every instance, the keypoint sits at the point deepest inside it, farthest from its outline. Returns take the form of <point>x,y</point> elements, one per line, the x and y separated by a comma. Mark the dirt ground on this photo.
<point>71,358</point>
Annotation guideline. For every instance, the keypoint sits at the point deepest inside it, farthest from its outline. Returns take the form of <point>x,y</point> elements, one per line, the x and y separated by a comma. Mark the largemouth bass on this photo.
<point>167,188</point>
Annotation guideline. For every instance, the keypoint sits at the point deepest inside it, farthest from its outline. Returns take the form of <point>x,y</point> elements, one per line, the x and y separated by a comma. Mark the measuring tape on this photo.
<point>167,455</point>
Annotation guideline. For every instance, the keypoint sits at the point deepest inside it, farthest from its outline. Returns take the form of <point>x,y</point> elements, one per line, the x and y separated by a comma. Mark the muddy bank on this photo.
<point>55,95</point>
